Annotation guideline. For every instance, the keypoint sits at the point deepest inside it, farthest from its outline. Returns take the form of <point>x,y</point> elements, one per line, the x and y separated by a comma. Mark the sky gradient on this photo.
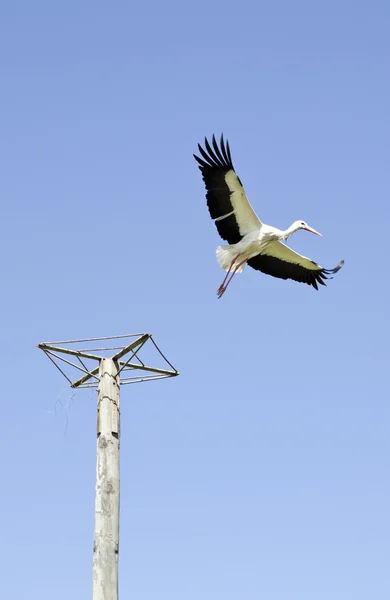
<point>262,471</point>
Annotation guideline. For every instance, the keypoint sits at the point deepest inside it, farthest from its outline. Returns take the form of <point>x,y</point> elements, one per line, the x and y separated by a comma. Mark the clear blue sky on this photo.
<point>263,470</point>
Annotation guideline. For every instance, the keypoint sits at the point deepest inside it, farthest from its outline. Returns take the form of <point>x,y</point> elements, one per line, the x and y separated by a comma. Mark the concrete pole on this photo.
<point>106,542</point>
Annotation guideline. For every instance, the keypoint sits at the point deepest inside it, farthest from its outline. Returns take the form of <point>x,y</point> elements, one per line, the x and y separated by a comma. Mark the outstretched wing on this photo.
<point>226,199</point>
<point>280,261</point>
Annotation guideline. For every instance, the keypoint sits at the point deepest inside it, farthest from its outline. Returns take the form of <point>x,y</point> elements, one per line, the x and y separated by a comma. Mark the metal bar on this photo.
<point>94,384</point>
<point>128,348</point>
<point>100,349</point>
<point>67,351</point>
<point>143,378</point>
<point>55,364</point>
<point>151,378</point>
<point>81,362</point>
<point>133,354</point>
<point>139,360</point>
<point>110,337</point>
<point>82,380</point>
<point>151,369</point>
<point>126,381</point>
<point>164,357</point>
<point>129,380</point>
<point>79,382</point>
<point>70,363</point>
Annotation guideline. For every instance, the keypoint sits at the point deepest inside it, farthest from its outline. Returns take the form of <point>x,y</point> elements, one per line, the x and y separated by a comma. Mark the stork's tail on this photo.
<point>225,256</point>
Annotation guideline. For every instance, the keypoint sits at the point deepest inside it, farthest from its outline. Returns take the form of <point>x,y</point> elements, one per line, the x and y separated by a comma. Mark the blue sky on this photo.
<point>262,471</point>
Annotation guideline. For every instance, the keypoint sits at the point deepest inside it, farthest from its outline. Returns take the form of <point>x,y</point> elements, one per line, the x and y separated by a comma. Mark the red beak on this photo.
<point>313,230</point>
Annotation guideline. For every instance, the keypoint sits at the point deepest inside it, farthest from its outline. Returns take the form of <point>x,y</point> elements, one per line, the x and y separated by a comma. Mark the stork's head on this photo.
<point>303,225</point>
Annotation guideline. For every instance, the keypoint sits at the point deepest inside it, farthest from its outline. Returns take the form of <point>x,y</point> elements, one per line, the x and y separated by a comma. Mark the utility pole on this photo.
<point>106,542</point>
<point>106,377</point>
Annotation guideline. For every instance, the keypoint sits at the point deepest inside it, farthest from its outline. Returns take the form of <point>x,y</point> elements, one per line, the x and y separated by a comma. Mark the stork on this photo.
<point>249,240</point>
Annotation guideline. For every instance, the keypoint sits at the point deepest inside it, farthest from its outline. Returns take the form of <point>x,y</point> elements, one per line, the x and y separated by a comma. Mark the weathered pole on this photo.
<point>106,541</point>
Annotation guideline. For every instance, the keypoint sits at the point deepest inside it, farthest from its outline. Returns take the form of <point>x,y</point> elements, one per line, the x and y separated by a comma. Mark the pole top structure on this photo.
<point>122,349</point>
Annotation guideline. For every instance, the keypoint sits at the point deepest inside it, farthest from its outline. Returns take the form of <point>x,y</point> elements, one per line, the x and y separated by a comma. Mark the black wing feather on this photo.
<point>282,269</point>
<point>214,165</point>
<point>217,150</point>
<point>212,155</point>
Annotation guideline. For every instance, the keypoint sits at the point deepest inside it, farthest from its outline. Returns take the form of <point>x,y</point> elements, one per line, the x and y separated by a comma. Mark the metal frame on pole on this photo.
<point>107,377</point>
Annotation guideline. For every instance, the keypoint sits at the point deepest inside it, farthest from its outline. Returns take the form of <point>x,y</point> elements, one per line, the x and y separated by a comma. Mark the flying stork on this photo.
<point>249,240</point>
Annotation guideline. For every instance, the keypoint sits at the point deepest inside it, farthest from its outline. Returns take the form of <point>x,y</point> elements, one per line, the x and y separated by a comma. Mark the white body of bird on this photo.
<point>251,244</point>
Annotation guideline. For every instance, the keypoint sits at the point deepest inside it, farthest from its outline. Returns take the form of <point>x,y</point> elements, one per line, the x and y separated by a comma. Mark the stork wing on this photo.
<point>226,199</point>
<point>280,261</point>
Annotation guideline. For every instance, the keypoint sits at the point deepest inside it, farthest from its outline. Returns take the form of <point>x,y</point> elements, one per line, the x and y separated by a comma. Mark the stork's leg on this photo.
<point>222,289</point>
